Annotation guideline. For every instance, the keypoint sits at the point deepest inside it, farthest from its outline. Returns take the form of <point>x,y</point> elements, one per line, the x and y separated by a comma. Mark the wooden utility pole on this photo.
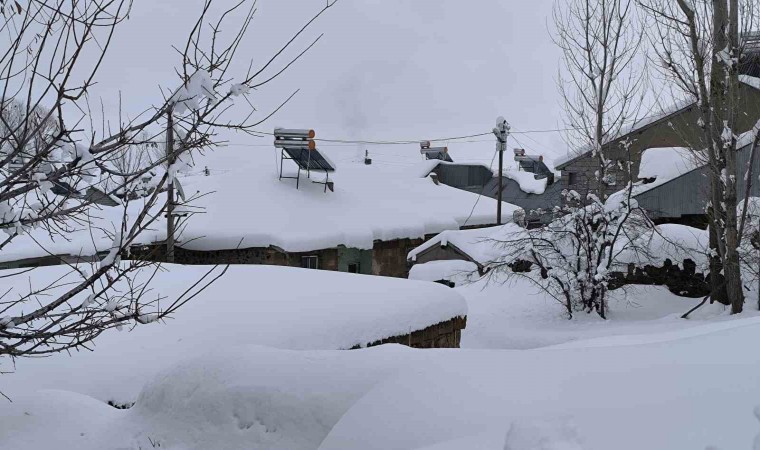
<point>170,190</point>
<point>501,131</point>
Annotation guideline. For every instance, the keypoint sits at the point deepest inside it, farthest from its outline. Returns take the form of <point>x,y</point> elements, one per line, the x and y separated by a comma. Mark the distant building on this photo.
<point>680,194</point>
<point>674,127</point>
<point>534,188</point>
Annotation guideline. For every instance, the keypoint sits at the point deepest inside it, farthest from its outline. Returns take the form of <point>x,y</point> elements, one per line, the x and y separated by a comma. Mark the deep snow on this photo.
<point>280,307</point>
<point>527,379</point>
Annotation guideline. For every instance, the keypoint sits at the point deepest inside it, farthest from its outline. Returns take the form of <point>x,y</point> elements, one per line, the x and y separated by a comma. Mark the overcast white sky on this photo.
<point>385,69</point>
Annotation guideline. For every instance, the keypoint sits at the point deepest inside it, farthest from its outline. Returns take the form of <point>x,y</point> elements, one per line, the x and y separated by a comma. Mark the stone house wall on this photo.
<point>328,258</point>
<point>389,257</point>
<point>442,335</point>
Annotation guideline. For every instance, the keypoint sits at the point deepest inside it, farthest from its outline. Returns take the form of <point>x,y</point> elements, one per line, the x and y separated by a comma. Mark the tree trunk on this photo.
<point>724,96</point>
<point>717,286</point>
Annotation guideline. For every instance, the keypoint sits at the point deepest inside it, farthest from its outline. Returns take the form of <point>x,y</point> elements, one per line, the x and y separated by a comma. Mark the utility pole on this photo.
<point>501,131</point>
<point>170,190</point>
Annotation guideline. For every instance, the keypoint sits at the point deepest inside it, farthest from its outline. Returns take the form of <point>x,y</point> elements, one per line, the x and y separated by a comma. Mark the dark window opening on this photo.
<point>310,262</point>
<point>572,178</point>
<point>354,268</point>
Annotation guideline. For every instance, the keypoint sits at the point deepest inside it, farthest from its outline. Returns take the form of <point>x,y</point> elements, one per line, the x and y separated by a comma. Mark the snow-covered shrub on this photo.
<point>572,257</point>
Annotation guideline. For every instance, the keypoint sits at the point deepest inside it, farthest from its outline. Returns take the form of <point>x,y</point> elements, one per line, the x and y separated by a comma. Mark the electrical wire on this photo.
<point>477,200</point>
<point>459,139</point>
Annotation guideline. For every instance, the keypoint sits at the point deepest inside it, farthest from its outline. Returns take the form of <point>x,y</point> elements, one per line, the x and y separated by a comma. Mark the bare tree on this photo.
<point>600,83</point>
<point>699,47</point>
<point>48,132</point>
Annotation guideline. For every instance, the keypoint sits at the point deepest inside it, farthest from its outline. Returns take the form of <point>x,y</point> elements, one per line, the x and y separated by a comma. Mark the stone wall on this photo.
<point>442,335</point>
<point>389,257</point>
<point>328,258</point>
<point>683,280</point>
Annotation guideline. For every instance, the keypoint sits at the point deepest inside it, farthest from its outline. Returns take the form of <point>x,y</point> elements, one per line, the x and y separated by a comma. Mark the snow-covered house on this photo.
<point>456,256</point>
<point>674,126</point>
<point>374,217</point>
<point>535,191</point>
<point>245,214</point>
<point>675,256</point>
<point>673,183</point>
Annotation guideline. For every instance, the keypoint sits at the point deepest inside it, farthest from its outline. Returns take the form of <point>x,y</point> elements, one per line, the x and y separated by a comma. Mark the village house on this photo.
<point>673,183</point>
<point>676,126</point>
<point>532,186</point>
<point>242,212</point>
<point>368,224</point>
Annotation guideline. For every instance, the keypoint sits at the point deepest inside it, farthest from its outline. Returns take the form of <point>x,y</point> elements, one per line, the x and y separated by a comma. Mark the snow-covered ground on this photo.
<point>525,379</point>
<point>585,396</point>
<point>280,307</point>
<point>517,315</point>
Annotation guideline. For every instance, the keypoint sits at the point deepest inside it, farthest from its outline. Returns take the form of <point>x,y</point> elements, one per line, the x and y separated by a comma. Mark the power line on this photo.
<point>477,200</point>
<point>337,142</point>
<point>400,142</point>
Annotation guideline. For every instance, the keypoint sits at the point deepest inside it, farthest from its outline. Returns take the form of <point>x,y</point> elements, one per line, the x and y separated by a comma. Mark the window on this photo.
<point>572,178</point>
<point>310,262</point>
<point>354,268</point>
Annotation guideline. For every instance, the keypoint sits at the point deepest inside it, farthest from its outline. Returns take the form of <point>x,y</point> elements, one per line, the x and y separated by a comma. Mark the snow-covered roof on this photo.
<point>750,81</point>
<point>243,204</point>
<point>627,129</point>
<point>480,244</point>
<point>249,207</point>
<point>77,238</point>
<point>665,164</point>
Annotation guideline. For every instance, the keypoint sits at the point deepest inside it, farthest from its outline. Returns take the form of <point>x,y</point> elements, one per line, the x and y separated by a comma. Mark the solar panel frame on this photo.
<point>437,153</point>
<point>310,160</point>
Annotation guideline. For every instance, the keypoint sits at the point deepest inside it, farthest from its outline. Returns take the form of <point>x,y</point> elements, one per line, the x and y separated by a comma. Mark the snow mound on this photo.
<point>239,397</point>
<point>280,307</point>
<point>527,181</point>
<point>543,435</point>
<point>603,389</point>
<point>667,163</point>
<point>261,398</point>
<point>49,419</point>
